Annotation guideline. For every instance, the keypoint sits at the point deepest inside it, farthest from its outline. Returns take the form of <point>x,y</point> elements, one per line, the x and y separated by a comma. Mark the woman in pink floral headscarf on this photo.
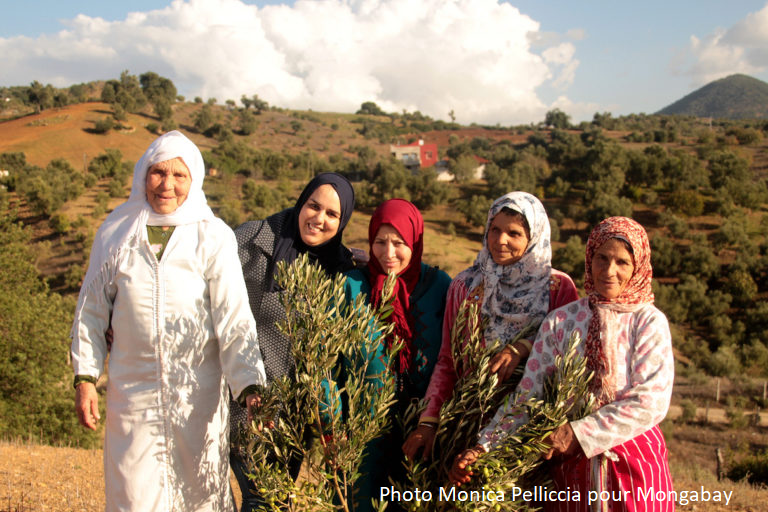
<point>619,448</point>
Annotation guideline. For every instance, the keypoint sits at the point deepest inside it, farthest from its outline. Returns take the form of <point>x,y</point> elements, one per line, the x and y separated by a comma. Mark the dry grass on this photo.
<point>39,478</point>
<point>692,477</point>
<point>44,478</point>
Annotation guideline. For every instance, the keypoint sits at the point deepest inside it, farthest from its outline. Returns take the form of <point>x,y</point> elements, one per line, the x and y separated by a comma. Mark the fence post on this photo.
<point>720,463</point>
<point>717,394</point>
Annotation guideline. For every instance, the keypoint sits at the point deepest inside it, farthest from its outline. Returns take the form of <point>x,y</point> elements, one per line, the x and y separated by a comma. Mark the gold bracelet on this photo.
<point>526,343</point>
<point>427,424</point>
<point>513,350</point>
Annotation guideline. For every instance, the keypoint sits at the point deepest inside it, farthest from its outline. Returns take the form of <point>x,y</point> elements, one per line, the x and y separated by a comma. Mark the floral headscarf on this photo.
<point>407,220</point>
<point>636,294</point>
<point>515,295</point>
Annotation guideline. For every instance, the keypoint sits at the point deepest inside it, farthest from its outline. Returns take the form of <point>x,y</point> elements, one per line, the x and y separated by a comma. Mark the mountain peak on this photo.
<point>733,97</point>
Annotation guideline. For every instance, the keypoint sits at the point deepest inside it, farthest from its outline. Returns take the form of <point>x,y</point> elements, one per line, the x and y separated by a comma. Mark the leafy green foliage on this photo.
<point>46,190</point>
<point>475,209</point>
<point>477,394</point>
<point>557,119</point>
<point>35,388</point>
<point>260,200</point>
<point>753,468</point>
<point>324,330</point>
<point>370,108</point>
<point>204,119</point>
<point>126,92</point>
<point>570,259</point>
<point>516,461</point>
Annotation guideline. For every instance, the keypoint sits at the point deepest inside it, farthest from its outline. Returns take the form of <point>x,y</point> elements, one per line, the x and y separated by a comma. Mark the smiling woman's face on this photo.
<point>612,268</point>
<point>320,216</point>
<point>168,185</point>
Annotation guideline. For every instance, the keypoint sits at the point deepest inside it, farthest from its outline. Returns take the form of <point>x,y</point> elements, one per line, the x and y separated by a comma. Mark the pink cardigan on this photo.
<point>441,384</point>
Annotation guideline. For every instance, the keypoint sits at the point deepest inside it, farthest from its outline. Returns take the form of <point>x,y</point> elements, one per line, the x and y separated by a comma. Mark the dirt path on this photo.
<point>712,415</point>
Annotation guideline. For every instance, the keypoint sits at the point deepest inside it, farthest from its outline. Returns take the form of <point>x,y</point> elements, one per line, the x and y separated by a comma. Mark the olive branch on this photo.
<point>476,397</point>
<point>329,335</point>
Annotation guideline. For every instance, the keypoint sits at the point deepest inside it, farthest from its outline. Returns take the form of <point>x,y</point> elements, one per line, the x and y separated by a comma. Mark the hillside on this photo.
<point>733,97</point>
<point>699,188</point>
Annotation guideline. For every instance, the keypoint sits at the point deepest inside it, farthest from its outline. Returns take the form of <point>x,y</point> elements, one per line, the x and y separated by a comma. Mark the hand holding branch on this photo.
<point>460,472</point>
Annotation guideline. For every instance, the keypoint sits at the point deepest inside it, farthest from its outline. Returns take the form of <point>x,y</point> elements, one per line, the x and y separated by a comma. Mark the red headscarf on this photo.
<point>406,219</point>
<point>601,341</point>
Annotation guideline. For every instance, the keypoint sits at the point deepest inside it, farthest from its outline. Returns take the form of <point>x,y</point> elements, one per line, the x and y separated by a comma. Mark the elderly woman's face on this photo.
<point>168,185</point>
<point>612,268</point>
<point>507,238</point>
<point>320,216</point>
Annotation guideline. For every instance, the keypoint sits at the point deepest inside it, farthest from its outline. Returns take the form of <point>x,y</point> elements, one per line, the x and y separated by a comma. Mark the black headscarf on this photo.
<point>332,256</point>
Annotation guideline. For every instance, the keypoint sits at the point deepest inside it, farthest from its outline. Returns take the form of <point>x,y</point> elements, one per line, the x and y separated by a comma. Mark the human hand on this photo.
<point>422,437</point>
<point>87,405</point>
<point>331,447</point>
<point>252,404</point>
<point>563,442</point>
<point>460,472</point>
<point>505,361</point>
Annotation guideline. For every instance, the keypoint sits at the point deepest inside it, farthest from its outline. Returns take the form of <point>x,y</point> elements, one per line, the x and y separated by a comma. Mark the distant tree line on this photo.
<point>130,94</point>
<point>42,97</point>
<point>711,276</point>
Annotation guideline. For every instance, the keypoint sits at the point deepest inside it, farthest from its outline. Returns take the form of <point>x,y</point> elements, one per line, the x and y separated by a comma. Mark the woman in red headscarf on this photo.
<point>396,238</point>
<point>617,453</point>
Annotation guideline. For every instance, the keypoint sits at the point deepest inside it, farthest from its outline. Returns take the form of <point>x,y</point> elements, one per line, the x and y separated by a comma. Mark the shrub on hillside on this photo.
<point>36,389</point>
<point>45,190</point>
<point>59,223</point>
<point>570,258</point>
<point>755,356</point>
<point>106,164</point>
<point>426,191</point>
<point>665,257</point>
<point>700,260</point>
<point>229,212</point>
<point>475,209</point>
<point>606,205</point>
<point>688,202</point>
<point>688,414</point>
<point>753,468</point>
<point>103,125</point>
<point>667,300</point>
<point>724,362</point>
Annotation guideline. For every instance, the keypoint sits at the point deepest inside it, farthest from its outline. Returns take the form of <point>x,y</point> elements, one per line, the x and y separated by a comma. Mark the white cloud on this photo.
<point>742,48</point>
<point>476,57</point>
<point>562,56</point>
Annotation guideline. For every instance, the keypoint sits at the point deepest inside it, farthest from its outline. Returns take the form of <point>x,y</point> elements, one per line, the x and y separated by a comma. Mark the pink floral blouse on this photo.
<point>645,372</point>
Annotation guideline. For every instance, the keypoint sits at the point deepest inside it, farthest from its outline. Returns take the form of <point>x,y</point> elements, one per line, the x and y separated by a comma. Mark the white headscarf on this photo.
<point>122,228</point>
<point>517,294</point>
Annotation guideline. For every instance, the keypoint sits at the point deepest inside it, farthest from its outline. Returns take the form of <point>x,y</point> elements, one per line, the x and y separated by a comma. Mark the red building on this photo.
<point>416,154</point>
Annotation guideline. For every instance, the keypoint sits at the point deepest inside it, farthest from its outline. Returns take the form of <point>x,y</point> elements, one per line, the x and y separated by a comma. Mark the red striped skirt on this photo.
<point>632,477</point>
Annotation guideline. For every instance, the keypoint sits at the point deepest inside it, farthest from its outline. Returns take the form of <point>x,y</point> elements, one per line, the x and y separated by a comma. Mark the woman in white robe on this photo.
<point>165,274</point>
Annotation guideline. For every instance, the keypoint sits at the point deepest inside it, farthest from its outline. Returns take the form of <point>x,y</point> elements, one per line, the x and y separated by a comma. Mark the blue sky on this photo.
<point>489,61</point>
